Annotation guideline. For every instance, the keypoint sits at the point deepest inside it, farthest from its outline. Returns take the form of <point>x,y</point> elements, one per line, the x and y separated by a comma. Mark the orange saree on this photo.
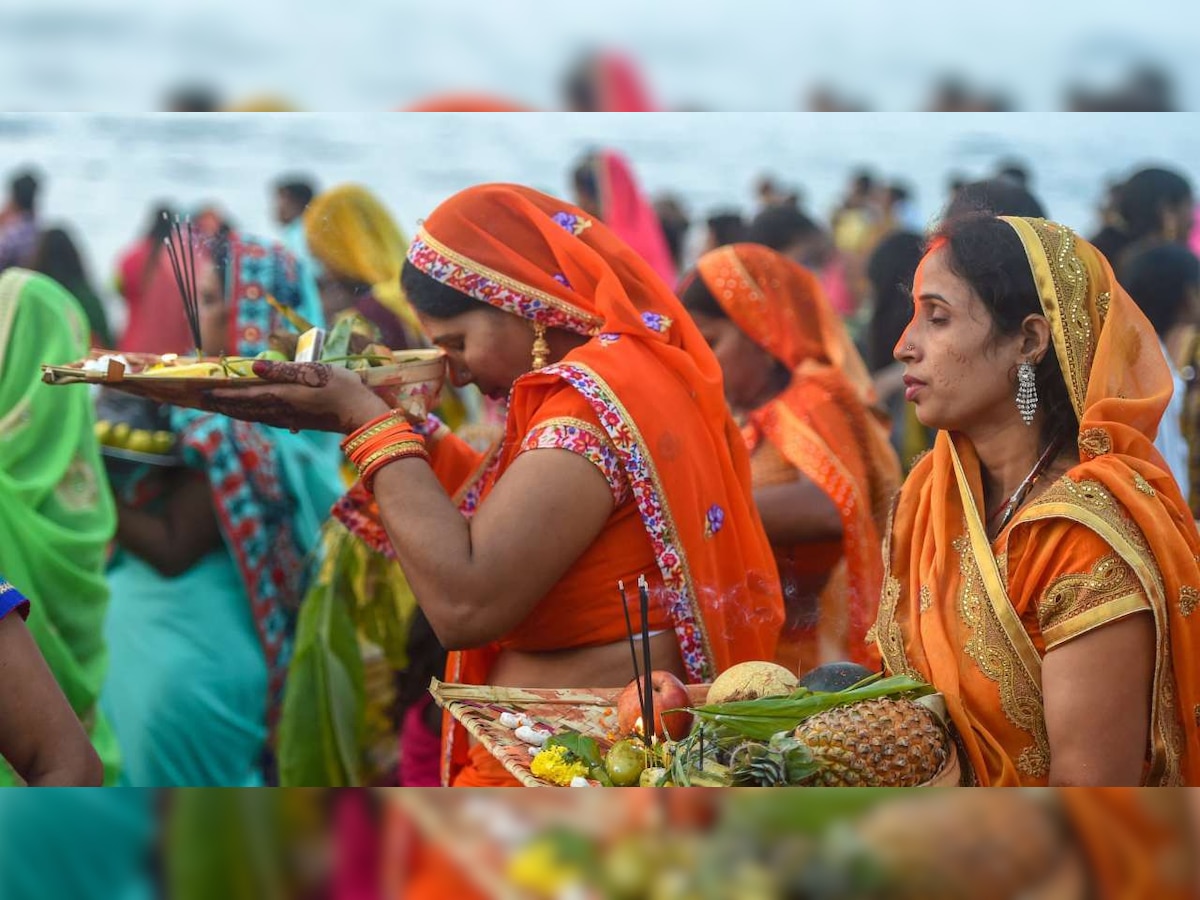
<point>684,512</point>
<point>1114,536</point>
<point>822,425</point>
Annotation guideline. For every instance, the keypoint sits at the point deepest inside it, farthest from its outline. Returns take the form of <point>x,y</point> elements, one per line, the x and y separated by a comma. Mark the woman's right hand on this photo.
<point>300,396</point>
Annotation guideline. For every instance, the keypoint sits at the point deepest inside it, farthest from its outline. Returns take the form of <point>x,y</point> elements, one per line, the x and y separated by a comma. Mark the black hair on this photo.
<point>426,659</point>
<point>58,257</point>
<point>299,190</point>
<point>193,98</point>
<point>890,269</point>
<point>430,297</point>
<point>778,227</point>
<point>673,220</point>
<point>1141,199</point>
<point>898,193</point>
<point>1014,171</point>
<point>584,178</point>
<point>580,85</point>
<point>727,228</point>
<point>1158,278</point>
<point>988,254</point>
<point>995,197</point>
<point>24,192</point>
<point>863,180</point>
<point>698,299</point>
<point>219,248</point>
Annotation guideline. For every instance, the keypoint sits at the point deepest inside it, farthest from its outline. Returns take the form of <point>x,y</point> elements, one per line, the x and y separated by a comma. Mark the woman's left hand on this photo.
<point>300,396</point>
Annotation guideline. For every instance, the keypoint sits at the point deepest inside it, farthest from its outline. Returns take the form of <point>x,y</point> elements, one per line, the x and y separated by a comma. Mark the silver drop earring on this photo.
<point>1026,392</point>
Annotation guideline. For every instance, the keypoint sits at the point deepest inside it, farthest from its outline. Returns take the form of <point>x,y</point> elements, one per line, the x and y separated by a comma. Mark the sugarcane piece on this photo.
<point>293,318</point>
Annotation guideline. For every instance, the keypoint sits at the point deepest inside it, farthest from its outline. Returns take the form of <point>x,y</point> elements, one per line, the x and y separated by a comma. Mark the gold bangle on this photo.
<point>403,446</point>
<point>357,440</point>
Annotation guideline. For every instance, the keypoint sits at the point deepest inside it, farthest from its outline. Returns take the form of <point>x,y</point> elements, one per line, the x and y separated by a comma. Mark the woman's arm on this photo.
<point>474,579</point>
<point>39,733</point>
<point>797,512</point>
<point>181,535</point>
<point>477,579</point>
<point>1096,689</point>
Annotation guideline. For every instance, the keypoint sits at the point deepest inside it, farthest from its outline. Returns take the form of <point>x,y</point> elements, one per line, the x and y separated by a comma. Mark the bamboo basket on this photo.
<point>591,712</point>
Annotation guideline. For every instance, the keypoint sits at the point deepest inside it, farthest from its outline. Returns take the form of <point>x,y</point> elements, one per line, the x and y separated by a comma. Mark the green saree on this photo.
<point>56,512</point>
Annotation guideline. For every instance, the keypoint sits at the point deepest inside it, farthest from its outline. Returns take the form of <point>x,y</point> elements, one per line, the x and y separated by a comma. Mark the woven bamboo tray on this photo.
<point>413,382</point>
<point>589,711</point>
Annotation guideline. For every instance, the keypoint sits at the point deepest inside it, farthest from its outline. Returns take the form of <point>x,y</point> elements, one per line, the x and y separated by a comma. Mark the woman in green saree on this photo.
<point>56,513</point>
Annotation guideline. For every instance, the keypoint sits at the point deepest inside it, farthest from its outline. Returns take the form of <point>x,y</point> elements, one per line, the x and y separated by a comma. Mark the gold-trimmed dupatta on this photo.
<point>970,641</point>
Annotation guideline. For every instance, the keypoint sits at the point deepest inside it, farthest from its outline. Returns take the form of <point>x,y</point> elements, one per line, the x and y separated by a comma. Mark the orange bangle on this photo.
<point>404,450</point>
<point>375,427</point>
<point>378,437</point>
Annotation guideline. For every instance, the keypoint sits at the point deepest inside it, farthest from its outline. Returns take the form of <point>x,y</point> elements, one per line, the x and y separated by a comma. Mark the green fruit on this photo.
<point>273,356</point>
<point>653,776</point>
<point>625,762</point>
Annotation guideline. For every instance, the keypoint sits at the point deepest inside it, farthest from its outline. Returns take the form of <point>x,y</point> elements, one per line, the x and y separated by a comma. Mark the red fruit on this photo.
<point>669,694</point>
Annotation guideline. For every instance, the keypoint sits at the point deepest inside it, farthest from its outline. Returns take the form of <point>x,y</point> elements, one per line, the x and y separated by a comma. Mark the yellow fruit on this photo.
<point>140,441</point>
<point>242,368</point>
<point>192,370</point>
<point>163,441</point>
<point>119,434</point>
<point>102,431</point>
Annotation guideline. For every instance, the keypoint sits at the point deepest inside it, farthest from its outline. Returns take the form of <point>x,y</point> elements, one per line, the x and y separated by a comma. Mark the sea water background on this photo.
<point>103,172</point>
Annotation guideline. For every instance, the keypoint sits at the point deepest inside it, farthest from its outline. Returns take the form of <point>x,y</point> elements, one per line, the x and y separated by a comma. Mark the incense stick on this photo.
<point>647,713</point>
<point>644,598</point>
<point>183,266</point>
<point>629,629</point>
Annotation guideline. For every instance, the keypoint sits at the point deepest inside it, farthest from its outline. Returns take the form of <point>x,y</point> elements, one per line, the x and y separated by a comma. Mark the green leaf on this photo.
<point>578,745</point>
<point>337,342</point>
<point>761,719</point>
<point>322,723</point>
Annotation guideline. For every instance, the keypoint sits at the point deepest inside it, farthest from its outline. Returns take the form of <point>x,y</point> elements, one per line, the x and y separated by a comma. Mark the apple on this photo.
<point>669,694</point>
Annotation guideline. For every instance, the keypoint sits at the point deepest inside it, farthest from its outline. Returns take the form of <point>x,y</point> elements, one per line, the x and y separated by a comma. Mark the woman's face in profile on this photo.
<point>485,347</point>
<point>957,373</point>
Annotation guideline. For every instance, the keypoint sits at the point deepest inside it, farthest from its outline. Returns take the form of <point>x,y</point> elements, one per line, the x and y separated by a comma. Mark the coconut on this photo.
<point>751,680</point>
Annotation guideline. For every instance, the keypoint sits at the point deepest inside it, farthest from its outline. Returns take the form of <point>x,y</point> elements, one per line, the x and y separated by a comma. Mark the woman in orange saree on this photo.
<point>591,482</point>
<point>1055,610</point>
<point>823,468</point>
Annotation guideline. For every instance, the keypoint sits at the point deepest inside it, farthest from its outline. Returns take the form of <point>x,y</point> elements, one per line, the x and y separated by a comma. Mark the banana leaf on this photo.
<point>322,728</point>
<point>760,719</point>
<point>224,843</point>
<point>337,341</point>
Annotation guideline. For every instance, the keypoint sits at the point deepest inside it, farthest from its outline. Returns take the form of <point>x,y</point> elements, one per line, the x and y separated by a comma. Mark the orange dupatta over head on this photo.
<point>966,638</point>
<point>822,423</point>
<point>654,386</point>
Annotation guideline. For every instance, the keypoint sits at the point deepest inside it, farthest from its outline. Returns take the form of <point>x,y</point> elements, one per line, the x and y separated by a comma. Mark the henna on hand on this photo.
<point>272,409</point>
<point>313,375</point>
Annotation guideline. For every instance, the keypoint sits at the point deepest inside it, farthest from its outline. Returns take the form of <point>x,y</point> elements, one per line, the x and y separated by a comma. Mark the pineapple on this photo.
<point>781,762</point>
<point>889,742</point>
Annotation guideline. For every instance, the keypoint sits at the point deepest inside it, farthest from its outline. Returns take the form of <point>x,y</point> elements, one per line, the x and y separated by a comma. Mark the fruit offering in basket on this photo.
<point>879,732</point>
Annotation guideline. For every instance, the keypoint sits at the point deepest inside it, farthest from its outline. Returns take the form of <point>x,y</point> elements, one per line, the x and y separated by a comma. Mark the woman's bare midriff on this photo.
<point>608,665</point>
